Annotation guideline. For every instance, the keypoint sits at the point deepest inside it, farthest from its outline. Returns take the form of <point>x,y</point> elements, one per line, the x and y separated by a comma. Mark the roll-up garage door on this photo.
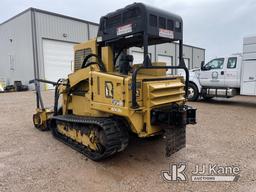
<point>58,60</point>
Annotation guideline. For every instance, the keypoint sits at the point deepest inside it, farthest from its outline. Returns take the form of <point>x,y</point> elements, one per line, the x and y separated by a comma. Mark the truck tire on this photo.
<point>193,93</point>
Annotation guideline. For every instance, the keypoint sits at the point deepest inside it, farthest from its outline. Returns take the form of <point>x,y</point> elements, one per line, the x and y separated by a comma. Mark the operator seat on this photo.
<point>124,63</point>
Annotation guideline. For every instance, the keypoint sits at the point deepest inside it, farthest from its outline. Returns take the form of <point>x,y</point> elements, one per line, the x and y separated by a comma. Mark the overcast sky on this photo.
<point>216,25</point>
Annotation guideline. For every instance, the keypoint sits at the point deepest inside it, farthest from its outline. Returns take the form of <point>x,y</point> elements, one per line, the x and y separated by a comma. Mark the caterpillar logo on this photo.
<point>109,89</point>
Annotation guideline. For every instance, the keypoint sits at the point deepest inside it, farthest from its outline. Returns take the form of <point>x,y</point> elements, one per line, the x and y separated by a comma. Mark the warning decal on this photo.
<point>124,29</point>
<point>166,33</point>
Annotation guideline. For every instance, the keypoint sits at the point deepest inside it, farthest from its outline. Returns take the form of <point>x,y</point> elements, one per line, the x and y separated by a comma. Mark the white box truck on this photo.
<point>226,76</point>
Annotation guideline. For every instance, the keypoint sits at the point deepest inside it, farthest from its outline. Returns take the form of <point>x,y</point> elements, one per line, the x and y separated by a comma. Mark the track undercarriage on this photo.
<point>96,138</point>
<point>99,138</point>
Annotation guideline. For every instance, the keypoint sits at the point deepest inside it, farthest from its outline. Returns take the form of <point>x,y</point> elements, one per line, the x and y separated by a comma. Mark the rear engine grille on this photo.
<point>164,92</point>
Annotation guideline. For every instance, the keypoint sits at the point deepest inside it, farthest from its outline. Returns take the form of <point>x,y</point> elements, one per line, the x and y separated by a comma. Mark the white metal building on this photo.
<point>38,43</point>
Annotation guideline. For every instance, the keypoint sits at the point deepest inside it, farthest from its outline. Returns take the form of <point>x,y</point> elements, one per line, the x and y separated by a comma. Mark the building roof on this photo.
<point>192,46</point>
<point>49,13</point>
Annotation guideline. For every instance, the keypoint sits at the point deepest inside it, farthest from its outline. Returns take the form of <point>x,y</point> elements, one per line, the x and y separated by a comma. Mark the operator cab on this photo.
<point>136,25</point>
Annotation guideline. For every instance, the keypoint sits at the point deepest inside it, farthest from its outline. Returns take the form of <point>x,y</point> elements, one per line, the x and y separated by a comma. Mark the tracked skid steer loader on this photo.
<point>108,95</point>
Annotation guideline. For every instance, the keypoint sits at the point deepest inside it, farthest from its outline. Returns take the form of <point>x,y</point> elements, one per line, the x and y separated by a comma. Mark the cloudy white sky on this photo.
<point>216,25</point>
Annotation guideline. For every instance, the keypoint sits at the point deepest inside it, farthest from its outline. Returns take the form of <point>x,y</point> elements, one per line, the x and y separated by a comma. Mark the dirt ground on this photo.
<point>31,160</point>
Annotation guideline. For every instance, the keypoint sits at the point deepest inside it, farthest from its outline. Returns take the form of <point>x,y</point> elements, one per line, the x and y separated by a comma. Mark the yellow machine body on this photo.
<point>108,94</point>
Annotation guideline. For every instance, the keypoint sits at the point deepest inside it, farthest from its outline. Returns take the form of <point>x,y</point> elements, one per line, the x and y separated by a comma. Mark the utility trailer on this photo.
<point>226,76</point>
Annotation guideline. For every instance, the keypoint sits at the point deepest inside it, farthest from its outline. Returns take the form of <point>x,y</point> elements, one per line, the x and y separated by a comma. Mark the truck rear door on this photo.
<point>232,72</point>
<point>248,81</point>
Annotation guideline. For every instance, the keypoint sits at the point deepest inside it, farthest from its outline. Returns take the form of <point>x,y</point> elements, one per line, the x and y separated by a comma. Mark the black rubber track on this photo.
<point>116,135</point>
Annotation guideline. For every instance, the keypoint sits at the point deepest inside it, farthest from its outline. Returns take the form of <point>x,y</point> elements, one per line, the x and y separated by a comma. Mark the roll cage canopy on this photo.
<point>138,25</point>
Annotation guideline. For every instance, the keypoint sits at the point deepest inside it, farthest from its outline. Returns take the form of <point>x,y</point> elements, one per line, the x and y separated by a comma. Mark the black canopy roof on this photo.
<point>128,26</point>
